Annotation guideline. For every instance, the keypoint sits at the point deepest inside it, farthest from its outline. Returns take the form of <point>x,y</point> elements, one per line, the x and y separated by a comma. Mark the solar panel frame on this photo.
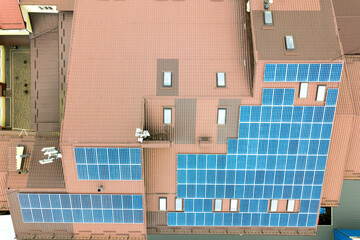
<point>303,72</point>
<point>81,208</point>
<point>278,157</point>
<point>108,164</point>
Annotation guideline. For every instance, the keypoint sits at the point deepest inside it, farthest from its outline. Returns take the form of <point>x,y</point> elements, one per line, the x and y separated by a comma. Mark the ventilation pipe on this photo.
<point>267,4</point>
<point>100,189</point>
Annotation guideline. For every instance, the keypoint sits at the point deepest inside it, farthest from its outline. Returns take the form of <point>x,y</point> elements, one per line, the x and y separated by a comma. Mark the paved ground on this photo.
<point>20,79</point>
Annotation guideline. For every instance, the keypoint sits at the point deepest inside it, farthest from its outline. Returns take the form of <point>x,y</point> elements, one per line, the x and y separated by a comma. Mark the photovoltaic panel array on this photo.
<point>243,176</point>
<point>108,163</point>
<point>81,208</point>
<point>313,72</point>
<point>280,153</point>
<point>242,219</point>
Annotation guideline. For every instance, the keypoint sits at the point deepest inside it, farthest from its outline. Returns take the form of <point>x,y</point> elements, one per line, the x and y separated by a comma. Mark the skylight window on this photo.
<point>162,204</point>
<point>273,205</point>
<point>218,205</point>
<point>303,90</point>
<point>167,115</point>
<point>178,204</point>
<point>233,205</point>
<point>289,40</point>
<point>268,18</point>
<point>221,115</point>
<point>220,79</point>
<point>320,95</point>
<point>290,205</point>
<point>167,79</point>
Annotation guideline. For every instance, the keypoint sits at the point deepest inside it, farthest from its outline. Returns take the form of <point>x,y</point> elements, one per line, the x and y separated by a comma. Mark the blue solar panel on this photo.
<point>280,153</point>
<point>81,208</point>
<point>270,70</point>
<point>108,163</point>
<point>331,97</point>
<point>241,219</point>
<point>326,72</point>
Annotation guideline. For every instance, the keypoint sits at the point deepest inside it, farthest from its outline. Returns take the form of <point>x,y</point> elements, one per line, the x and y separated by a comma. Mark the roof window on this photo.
<point>273,205</point>
<point>167,115</point>
<point>233,205</point>
<point>220,79</point>
<point>268,18</point>
<point>289,41</point>
<point>218,205</point>
<point>221,116</point>
<point>303,90</point>
<point>179,204</point>
<point>167,79</point>
<point>320,95</point>
<point>290,205</point>
<point>162,204</point>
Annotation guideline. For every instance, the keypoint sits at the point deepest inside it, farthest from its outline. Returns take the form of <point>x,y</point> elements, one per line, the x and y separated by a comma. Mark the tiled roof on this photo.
<point>47,175</point>
<point>318,42</point>
<point>349,30</point>
<point>61,5</point>
<point>45,74</point>
<point>112,75</point>
<point>38,175</point>
<point>346,8</point>
<point>289,5</point>
<point>353,75</point>
<point>113,67</point>
<point>352,169</point>
<point>10,17</point>
<point>347,17</point>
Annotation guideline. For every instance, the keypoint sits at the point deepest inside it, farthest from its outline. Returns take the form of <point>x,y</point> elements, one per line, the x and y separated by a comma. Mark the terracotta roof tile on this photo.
<point>288,5</point>
<point>10,17</point>
<point>107,81</point>
<point>352,169</point>
<point>349,30</point>
<point>44,47</point>
<point>38,176</point>
<point>336,161</point>
<point>353,73</point>
<point>345,104</point>
<point>346,8</point>
<point>3,196</point>
<point>318,42</point>
<point>347,17</point>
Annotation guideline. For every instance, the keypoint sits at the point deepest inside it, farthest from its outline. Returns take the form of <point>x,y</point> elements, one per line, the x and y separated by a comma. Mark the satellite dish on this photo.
<point>46,161</point>
<point>141,134</point>
<point>52,154</point>
<point>48,149</point>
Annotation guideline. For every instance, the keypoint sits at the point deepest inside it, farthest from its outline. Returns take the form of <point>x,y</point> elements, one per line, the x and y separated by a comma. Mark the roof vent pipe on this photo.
<point>267,4</point>
<point>100,189</point>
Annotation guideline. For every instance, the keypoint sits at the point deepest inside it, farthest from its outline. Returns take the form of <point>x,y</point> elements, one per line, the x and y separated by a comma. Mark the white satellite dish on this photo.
<point>47,149</point>
<point>45,161</point>
<point>52,154</point>
<point>141,134</point>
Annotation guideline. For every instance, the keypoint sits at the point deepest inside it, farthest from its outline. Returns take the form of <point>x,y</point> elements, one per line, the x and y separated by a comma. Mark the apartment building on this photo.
<point>249,107</point>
